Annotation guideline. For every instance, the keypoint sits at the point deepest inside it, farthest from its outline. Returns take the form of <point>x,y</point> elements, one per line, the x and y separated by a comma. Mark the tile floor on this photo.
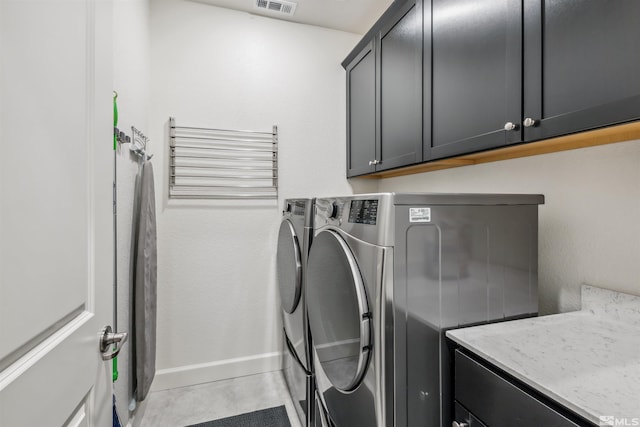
<point>205,402</point>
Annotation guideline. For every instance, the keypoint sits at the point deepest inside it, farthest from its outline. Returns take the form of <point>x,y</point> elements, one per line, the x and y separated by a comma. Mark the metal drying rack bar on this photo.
<point>208,163</point>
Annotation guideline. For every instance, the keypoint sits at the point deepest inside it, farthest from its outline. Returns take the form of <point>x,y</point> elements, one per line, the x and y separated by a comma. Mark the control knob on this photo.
<point>334,210</point>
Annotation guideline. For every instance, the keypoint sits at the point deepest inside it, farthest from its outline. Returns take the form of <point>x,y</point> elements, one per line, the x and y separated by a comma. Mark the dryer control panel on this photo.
<point>367,217</point>
<point>363,211</point>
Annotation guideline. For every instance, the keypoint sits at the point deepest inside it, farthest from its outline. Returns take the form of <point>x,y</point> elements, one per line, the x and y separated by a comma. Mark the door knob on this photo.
<point>108,337</point>
<point>529,122</point>
<point>510,126</point>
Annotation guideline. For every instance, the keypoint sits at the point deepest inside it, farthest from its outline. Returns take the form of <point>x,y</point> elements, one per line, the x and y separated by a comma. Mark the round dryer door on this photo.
<point>289,267</point>
<point>339,315</point>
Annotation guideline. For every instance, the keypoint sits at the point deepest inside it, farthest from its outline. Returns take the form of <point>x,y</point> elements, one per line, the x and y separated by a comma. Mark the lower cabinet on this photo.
<point>486,397</point>
<point>464,418</point>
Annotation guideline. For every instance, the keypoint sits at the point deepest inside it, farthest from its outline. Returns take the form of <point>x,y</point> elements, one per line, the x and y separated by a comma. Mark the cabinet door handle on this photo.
<point>510,126</point>
<point>373,162</point>
<point>529,122</point>
<point>457,424</point>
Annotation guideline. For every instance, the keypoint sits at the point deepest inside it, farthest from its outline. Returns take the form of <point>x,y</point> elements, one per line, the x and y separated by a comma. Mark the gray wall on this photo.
<point>589,226</point>
<point>218,311</point>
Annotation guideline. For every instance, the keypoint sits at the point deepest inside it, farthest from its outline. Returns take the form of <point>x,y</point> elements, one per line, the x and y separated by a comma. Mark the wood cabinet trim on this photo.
<point>603,136</point>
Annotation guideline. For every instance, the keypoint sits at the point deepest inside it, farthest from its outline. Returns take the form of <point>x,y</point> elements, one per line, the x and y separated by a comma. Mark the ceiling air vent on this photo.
<point>277,6</point>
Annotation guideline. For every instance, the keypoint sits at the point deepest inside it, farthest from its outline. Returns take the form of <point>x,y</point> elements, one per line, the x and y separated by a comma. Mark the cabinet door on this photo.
<point>476,75</point>
<point>497,401</point>
<point>399,57</point>
<point>361,113</point>
<point>464,418</point>
<point>582,66</point>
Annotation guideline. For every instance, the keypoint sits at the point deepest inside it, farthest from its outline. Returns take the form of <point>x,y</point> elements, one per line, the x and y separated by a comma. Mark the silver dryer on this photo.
<point>389,273</point>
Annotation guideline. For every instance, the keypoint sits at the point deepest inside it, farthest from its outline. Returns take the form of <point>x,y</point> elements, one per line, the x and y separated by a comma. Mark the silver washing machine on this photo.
<point>389,273</point>
<point>321,416</point>
<point>294,240</point>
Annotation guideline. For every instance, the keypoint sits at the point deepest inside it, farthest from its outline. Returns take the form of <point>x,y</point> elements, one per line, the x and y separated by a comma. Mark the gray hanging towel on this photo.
<point>145,286</point>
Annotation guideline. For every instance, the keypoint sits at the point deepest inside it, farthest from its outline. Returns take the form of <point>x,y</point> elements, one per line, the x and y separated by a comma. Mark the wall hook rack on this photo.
<point>138,142</point>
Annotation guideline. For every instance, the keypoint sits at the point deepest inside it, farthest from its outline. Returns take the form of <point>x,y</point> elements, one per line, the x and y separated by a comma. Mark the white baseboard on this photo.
<point>214,371</point>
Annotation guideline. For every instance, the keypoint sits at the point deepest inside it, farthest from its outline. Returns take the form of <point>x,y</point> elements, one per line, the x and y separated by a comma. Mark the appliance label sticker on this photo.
<point>419,214</point>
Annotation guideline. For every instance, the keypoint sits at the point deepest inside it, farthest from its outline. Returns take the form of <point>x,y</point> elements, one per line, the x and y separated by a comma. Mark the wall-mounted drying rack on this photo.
<point>207,163</point>
<point>138,142</point>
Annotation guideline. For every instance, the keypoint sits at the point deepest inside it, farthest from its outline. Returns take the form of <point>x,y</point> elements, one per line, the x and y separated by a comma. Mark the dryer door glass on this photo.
<point>289,267</point>
<point>339,315</point>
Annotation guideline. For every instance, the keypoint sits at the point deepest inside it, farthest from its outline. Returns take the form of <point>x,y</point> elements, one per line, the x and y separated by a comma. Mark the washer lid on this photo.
<point>289,267</point>
<point>339,315</point>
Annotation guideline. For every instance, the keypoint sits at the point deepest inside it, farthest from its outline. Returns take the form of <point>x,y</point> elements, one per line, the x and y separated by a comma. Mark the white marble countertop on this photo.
<point>588,360</point>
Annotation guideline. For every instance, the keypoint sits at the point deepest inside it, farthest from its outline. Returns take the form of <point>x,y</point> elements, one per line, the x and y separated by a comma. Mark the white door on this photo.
<point>55,211</point>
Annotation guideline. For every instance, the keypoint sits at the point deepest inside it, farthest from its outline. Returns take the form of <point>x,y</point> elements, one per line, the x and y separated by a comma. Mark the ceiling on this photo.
<point>354,16</point>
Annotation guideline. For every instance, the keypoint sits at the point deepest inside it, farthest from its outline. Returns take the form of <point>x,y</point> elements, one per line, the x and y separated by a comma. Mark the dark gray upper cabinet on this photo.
<point>399,89</point>
<point>476,75</point>
<point>361,112</point>
<point>580,71</point>
<point>472,75</point>
<point>384,93</point>
<point>582,65</point>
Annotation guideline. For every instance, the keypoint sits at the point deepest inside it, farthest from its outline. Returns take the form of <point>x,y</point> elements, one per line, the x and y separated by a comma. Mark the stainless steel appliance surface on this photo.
<point>389,273</point>
<point>321,417</point>
<point>294,240</point>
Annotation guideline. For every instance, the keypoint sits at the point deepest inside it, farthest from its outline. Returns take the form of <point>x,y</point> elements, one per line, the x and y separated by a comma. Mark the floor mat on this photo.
<point>271,417</point>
